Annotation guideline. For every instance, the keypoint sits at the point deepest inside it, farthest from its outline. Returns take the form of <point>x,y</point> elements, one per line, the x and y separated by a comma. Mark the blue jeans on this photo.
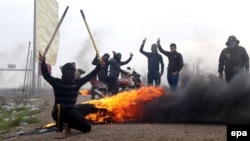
<point>173,81</point>
<point>154,77</point>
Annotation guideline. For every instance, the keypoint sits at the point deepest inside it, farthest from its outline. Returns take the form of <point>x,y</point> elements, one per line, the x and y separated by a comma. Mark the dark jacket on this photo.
<point>103,72</point>
<point>115,67</point>
<point>154,60</point>
<point>233,60</point>
<point>66,93</point>
<point>175,60</point>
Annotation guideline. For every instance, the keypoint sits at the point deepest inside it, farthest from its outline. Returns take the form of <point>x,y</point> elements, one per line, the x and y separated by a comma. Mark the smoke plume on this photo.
<point>204,99</point>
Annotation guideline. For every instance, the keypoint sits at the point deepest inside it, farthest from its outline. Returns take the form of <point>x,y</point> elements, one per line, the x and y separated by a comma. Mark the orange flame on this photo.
<point>84,92</point>
<point>126,106</point>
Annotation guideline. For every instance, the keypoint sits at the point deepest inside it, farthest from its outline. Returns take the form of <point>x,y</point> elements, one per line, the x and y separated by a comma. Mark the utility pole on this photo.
<point>33,87</point>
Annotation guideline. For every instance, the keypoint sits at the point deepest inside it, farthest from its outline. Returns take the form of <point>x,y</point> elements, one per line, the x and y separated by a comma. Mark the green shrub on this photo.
<point>16,116</point>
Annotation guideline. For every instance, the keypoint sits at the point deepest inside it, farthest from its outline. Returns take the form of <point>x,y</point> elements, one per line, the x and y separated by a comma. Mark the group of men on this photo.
<point>112,69</point>
<point>233,59</point>
<point>156,64</point>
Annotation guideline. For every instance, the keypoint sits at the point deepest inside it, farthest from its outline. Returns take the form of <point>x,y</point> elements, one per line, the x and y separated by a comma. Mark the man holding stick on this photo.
<point>102,74</point>
<point>66,93</point>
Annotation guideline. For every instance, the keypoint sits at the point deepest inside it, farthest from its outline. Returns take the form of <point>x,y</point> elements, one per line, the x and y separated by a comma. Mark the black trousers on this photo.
<point>113,84</point>
<point>229,75</point>
<point>72,117</point>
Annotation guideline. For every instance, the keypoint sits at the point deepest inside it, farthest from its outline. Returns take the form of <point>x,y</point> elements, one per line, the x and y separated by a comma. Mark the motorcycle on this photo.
<point>130,81</point>
<point>126,82</point>
<point>98,88</point>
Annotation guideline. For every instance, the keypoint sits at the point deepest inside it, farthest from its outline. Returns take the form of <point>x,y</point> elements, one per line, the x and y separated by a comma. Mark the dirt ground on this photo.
<point>115,132</point>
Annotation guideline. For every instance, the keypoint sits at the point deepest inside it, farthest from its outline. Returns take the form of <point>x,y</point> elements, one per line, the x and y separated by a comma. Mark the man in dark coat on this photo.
<point>103,73</point>
<point>154,62</point>
<point>233,59</point>
<point>115,64</point>
<point>174,66</point>
<point>66,92</point>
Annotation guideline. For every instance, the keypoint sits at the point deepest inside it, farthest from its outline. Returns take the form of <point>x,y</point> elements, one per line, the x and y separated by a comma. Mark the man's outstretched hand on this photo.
<point>158,41</point>
<point>144,40</point>
<point>220,75</point>
<point>102,63</point>
<point>41,57</point>
<point>131,54</point>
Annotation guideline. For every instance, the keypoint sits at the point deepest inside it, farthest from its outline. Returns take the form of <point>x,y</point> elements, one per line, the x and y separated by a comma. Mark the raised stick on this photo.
<point>91,37</point>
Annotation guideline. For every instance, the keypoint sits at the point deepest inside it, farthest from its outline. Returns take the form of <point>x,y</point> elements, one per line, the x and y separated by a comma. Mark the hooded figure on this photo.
<point>103,73</point>
<point>106,55</point>
<point>118,57</point>
<point>68,72</point>
<point>233,59</point>
<point>65,97</point>
<point>116,63</point>
<point>232,41</point>
<point>115,69</point>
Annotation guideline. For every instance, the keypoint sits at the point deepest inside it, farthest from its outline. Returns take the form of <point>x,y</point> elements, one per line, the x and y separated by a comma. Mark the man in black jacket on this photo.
<point>154,62</point>
<point>103,73</point>
<point>234,58</point>
<point>174,66</point>
<point>115,64</point>
<point>66,92</point>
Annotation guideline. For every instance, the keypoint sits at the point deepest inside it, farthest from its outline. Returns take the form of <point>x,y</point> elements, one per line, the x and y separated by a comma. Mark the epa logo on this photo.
<point>238,134</point>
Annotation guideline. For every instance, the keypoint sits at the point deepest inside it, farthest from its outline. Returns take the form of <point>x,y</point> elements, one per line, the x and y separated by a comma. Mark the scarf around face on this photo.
<point>68,72</point>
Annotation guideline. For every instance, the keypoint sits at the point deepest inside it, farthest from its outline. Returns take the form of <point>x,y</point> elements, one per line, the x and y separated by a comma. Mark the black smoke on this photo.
<point>204,99</point>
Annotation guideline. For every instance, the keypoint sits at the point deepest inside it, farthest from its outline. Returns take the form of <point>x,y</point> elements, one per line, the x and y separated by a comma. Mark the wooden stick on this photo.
<point>90,34</point>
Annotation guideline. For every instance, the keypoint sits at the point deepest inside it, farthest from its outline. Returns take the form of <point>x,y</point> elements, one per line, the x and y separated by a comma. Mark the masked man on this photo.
<point>115,64</point>
<point>66,92</point>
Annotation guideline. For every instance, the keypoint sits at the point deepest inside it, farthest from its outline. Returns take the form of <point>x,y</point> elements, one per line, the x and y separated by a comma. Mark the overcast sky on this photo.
<point>199,28</point>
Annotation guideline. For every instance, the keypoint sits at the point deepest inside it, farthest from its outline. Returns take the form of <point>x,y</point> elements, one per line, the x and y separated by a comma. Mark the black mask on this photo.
<point>68,72</point>
<point>118,56</point>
